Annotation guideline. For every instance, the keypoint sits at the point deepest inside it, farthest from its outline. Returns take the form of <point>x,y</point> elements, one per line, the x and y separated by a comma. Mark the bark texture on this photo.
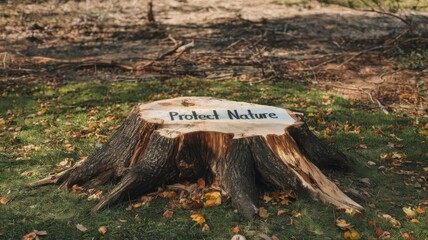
<point>142,156</point>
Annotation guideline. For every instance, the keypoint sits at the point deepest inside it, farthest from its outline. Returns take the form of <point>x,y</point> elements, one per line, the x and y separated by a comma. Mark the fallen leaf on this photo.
<point>205,228</point>
<point>363,146</point>
<point>342,224</point>
<point>352,234</point>
<point>296,214</point>
<point>96,195</point>
<point>379,232</point>
<point>236,229</point>
<point>420,210</point>
<point>392,220</point>
<point>371,163</point>
<point>81,228</point>
<point>3,200</point>
<point>266,198</point>
<point>138,204</point>
<point>102,230</point>
<point>77,188</point>
<point>263,213</point>
<point>414,220</point>
<point>168,214</point>
<point>168,194</point>
<point>201,183</point>
<point>385,235</point>
<point>137,218</point>
<point>281,212</point>
<point>198,217</point>
<point>409,211</point>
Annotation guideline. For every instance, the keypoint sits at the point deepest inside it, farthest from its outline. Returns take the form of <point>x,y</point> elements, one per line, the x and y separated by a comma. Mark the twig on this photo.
<point>375,100</point>
<point>359,54</point>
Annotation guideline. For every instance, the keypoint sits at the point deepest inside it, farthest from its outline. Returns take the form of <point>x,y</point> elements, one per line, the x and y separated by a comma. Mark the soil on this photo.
<point>350,52</point>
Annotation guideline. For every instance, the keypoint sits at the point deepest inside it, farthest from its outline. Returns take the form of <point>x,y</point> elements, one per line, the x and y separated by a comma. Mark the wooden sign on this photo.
<point>234,146</point>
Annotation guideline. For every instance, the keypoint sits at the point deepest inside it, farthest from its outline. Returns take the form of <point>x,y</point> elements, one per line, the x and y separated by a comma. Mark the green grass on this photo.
<point>43,125</point>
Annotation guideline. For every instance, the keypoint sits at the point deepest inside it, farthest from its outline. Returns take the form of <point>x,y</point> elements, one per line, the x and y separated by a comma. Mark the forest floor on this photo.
<point>72,71</point>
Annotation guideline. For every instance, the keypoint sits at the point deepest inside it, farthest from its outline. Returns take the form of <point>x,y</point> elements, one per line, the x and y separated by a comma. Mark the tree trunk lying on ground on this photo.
<point>232,145</point>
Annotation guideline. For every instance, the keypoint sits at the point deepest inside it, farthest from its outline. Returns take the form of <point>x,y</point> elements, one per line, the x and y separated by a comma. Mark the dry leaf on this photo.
<point>420,210</point>
<point>138,204</point>
<point>371,163</point>
<point>414,220</point>
<point>3,200</point>
<point>201,183</point>
<point>76,188</point>
<point>198,217</point>
<point>296,214</point>
<point>263,213</point>
<point>236,229</point>
<point>385,235</point>
<point>363,146</point>
<point>146,198</point>
<point>205,228</point>
<point>392,220</point>
<point>342,224</point>
<point>352,234</point>
<point>168,214</point>
<point>409,211</point>
<point>212,199</point>
<point>266,198</point>
<point>102,230</point>
<point>81,228</point>
<point>281,212</point>
<point>168,194</point>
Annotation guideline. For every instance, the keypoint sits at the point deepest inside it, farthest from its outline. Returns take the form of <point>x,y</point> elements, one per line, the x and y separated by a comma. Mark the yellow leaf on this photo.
<point>342,224</point>
<point>414,220</point>
<point>420,210</point>
<point>266,198</point>
<point>409,211</point>
<point>296,214</point>
<point>212,202</point>
<point>263,213</point>
<point>2,121</point>
<point>42,111</point>
<point>168,194</point>
<point>198,217</point>
<point>212,199</point>
<point>212,195</point>
<point>398,155</point>
<point>352,234</point>
<point>138,204</point>
<point>392,220</point>
<point>421,132</point>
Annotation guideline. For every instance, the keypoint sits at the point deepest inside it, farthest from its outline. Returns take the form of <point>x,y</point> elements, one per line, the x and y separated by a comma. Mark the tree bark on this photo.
<point>234,146</point>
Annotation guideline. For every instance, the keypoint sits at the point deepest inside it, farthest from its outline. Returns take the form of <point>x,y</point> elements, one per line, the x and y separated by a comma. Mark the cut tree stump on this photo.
<point>234,146</point>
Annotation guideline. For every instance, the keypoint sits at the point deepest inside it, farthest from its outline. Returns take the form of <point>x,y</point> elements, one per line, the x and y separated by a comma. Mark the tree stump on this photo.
<point>232,145</point>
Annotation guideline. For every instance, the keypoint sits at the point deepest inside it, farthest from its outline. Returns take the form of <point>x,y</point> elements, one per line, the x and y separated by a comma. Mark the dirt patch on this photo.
<point>326,47</point>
